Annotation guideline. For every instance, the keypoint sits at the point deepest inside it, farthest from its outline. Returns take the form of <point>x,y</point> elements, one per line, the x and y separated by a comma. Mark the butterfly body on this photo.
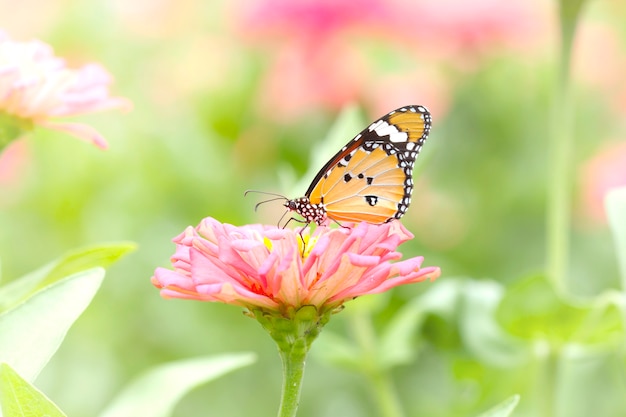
<point>371,178</point>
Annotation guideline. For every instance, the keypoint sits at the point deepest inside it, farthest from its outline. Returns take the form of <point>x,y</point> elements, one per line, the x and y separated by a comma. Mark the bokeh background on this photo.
<point>230,96</point>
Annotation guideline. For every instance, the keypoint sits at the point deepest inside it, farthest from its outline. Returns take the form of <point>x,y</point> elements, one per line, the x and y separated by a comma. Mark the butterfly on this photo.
<point>371,178</point>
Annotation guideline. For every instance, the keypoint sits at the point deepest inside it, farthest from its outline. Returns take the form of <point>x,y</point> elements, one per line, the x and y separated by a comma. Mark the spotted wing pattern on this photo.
<point>371,178</point>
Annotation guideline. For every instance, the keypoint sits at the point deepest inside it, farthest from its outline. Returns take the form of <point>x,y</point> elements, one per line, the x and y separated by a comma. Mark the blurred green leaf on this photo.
<point>14,291</point>
<point>338,350</point>
<point>31,332</point>
<point>615,205</point>
<point>102,255</point>
<point>399,341</point>
<point>156,392</point>
<point>504,409</point>
<point>603,323</point>
<point>479,329</point>
<point>532,310</point>
<point>18,398</point>
<point>586,373</point>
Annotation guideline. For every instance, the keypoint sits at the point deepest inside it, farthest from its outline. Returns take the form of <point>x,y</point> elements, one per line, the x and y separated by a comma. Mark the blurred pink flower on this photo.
<point>603,68</point>
<point>37,87</point>
<point>462,32</point>
<point>302,80</point>
<point>325,54</point>
<point>604,171</point>
<point>263,267</point>
<point>314,63</point>
<point>312,19</point>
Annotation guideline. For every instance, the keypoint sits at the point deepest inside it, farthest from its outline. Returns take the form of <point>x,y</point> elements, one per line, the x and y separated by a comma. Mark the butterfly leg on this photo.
<point>341,225</point>
<point>296,220</point>
<point>301,231</point>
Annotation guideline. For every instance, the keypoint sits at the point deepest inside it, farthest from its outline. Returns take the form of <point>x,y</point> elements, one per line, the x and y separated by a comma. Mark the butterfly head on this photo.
<point>312,213</point>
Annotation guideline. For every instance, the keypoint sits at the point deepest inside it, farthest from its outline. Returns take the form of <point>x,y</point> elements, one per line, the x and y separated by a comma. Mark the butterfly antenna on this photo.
<point>267,201</point>
<point>277,197</point>
<point>264,192</point>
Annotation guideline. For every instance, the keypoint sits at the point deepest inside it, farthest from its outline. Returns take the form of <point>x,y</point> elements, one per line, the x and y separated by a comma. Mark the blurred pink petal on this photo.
<point>312,18</point>
<point>313,61</point>
<point>37,86</point>
<point>605,171</point>
<point>603,68</point>
<point>12,163</point>
<point>325,54</point>
<point>263,266</point>
<point>455,30</point>
<point>80,131</point>
<point>302,79</point>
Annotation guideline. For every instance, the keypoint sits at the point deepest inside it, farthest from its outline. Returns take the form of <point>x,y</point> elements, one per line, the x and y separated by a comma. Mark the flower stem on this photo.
<point>293,331</point>
<point>547,380</point>
<point>293,373</point>
<point>559,188</point>
<point>379,379</point>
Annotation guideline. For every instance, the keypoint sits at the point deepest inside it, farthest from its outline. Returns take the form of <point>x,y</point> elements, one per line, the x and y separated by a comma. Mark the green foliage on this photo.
<point>74,261</point>
<point>532,310</point>
<point>31,332</point>
<point>18,398</point>
<point>616,212</point>
<point>206,127</point>
<point>158,390</point>
<point>504,409</point>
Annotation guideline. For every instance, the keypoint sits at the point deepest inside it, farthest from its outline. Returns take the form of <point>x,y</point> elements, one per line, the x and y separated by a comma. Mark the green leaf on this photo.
<point>532,310</point>
<point>615,205</point>
<point>156,392</point>
<point>338,350</point>
<point>18,398</point>
<point>480,331</point>
<point>31,332</point>
<point>399,341</point>
<point>102,255</point>
<point>504,409</point>
<point>604,323</point>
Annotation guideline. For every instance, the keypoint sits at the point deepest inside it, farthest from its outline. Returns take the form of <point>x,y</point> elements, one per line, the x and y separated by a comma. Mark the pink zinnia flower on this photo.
<point>264,267</point>
<point>290,282</point>
<point>37,87</point>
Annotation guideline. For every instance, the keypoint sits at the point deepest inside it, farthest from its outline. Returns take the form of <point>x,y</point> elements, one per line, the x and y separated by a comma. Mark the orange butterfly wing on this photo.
<point>370,179</point>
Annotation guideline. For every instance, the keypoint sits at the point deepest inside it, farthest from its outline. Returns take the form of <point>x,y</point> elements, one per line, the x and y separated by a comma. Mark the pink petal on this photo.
<point>262,266</point>
<point>80,131</point>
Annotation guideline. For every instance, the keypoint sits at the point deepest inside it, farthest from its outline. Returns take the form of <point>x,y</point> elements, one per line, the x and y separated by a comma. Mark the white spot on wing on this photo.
<point>385,129</point>
<point>375,125</point>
